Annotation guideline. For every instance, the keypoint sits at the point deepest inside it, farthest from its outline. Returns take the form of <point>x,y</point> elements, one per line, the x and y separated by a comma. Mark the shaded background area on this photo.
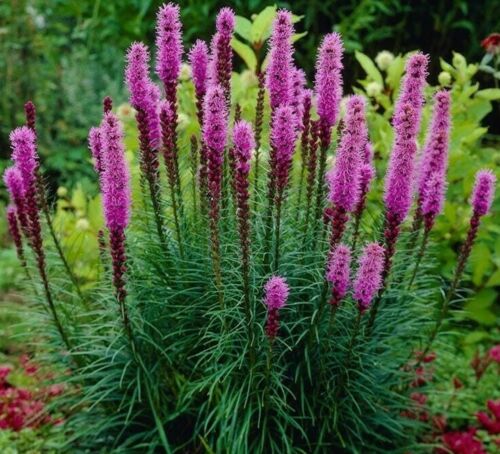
<point>66,54</point>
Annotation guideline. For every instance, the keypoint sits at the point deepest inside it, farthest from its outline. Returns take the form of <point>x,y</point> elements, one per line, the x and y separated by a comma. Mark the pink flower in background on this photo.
<point>484,190</point>
<point>462,443</point>
<point>491,43</point>
<point>275,296</point>
<point>338,272</point>
<point>369,276</point>
<point>494,353</point>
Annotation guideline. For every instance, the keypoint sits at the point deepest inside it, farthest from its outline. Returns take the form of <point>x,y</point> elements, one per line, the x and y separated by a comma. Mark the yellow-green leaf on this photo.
<point>369,67</point>
<point>491,94</point>
<point>261,26</point>
<point>246,53</point>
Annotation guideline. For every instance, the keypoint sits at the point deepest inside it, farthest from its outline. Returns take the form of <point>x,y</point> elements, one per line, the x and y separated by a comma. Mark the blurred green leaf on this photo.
<point>369,67</point>
<point>261,26</point>
<point>246,53</point>
<point>244,28</point>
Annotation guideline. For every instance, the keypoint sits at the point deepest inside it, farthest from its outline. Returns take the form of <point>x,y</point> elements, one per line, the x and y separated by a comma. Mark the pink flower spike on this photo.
<point>244,141</point>
<point>338,272</point>
<point>483,192</point>
<point>116,178</point>
<point>24,154</point>
<point>369,276</point>
<point>276,292</point>
<point>198,58</point>
<point>279,70</point>
<point>168,43</point>
<point>494,353</point>
<point>344,179</point>
<point>328,81</point>
<point>225,22</point>
<point>283,137</point>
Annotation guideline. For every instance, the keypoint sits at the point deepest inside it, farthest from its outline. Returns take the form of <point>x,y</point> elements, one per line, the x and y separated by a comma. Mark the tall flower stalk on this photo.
<point>24,155</point>
<point>304,141</point>
<point>198,59</point>
<point>30,112</point>
<point>337,274</point>
<point>482,199</point>
<point>116,192</point>
<point>328,90</point>
<point>432,177</point>
<point>259,121</point>
<point>244,143</point>
<point>283,136</point>
<point>399,179</point>
<point>144,98</point>
<point>312,161</point>
<point>168,66</point>
<point>279,83</point>
<point>215,136</point>
<point>15,233</point>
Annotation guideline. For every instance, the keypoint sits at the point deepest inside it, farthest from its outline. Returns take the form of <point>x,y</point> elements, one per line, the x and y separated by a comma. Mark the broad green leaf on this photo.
<point>494,279</point>
<point>483,316</point>
<point>491,94</point>
<point>483,299</point>
<point>369,67</point>
<point>481,262</point>
<point>78,199</point>
<point>395,72</point>
<point>244,28</point>
<point>246,53</point>
<point>261,26</point>
<point>475,337</point>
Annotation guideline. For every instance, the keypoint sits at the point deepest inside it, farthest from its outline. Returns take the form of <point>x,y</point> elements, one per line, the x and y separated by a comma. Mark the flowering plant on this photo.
<point>211,325</point>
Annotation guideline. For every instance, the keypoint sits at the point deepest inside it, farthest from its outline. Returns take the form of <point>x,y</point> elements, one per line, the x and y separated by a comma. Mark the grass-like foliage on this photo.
<point>180,346</point>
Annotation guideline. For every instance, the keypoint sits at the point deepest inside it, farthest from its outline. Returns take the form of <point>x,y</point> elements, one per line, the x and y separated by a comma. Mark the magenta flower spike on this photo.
<point>283,137</point>
<point>400,170</point>
<point>412,91</point>
<point>369,276</point>
<point>244,143</point>
<point>116,177</point>
<point>95,146</point>
<point>432,178</point>
<point>221,58</point>
<point>117,203</point>
<point>280,69</point>
<point>144,95</point>
<point>344,179</point>
<point>338,273</point>
<point>275,298</point>
<point>483,192</point>
<point>328,84</point>
<point>168,44</point>
<point>15,186</point>
<point>24,155</point>
<point>198,59</point>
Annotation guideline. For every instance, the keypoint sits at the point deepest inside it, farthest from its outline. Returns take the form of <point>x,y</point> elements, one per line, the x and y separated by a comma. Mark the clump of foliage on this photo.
<point>241,300</point>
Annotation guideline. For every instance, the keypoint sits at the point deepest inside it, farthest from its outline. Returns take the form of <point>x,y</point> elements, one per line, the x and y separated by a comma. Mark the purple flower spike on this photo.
<point>328,82</point>
<point>225,22</point>
<point>344,179</point>
<point>279,71</point>
<point>95,146</point>
<point>400,171</point>
<point>15,186</point>
<point>484,190</point>
<point>369,276</point>
<point>15,233</point>
<point>298,94</point>
<point>412,91</point>
<point>198,58</point>
<point>244,141</point>
<point>24,154</point>
<point>283,137</point>
<point>276,295</point>
<point>168,43</point>
<point>221,58</point>
<point>433,198</point>
<point>338,273</point>
<point>144,95</point>
<point>116,177</point>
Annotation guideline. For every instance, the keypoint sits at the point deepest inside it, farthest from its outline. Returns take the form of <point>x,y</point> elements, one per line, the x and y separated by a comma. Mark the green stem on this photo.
<point>419,258</point>
<point>278,232</point>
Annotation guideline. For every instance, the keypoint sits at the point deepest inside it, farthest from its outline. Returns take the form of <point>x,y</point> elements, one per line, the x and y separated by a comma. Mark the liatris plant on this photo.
<point>194,361</point>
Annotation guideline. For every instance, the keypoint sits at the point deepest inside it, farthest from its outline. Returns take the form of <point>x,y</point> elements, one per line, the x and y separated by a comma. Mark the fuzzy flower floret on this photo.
<point>283,137</point>
<point>198,58</point>
<point>24,153</point>
<point>168,43</point>
<point>215,118</point>
<point>338,271</point>
<point>328,81</point>
<point>400,170</point>
<point>344,178</point>
<point>279,70</point>
<point>244,141</point>
<point>369,276</point>
<point>116,177</point>
<point>483,192</point>
<point>225,22</point>
<point>276,293</point>
<point>14,183</point>
<point>95,145</point>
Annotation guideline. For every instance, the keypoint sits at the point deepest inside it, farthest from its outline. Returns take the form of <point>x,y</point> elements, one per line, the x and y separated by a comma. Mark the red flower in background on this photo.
<point>492,425</point>
<point>462,443</point>
<point>494,352</point>
<point>491,43</point>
